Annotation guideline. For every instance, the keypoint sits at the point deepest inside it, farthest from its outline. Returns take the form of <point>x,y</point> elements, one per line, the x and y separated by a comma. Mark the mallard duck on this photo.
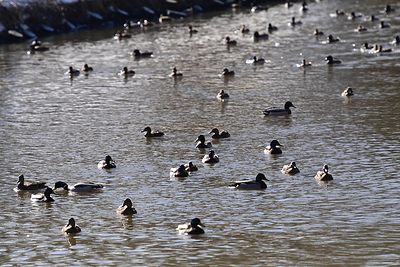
<point>29,186</point>
<point>324,175</point>
<point>388,9</point>
<point>227,72</point>
<point>279,111</point>
<point>137,53</point>
<point>191,30</point>
<point>179,172</point>
<point>86,67</point>
<point>217,134</point>
<point>79,187</point>
<point>290,169</point>
<point>273,148</point>
<point>149,133</point>
<point>361,28</point>
<point>44,197</point>
<point>348,92</point>
<point>383,25</point>
<point>380,49</point>
<point>256,184</point>
<point>71,227</point>
<point>191,228</point>
<point>304,63</point>
<point>190,167</point>
<point>330,60</point>
<point>258,60</point>
<point>210,158</point>
<point>271,27</point>
<point>339,13</point>
<point>71,71</point>
<point>258,36</point>
<point>122,35</point>
<point>126,72</point>
<point>201,142</point>
<point>175,73</point>
<point>333,40</point>
<point>373,18</point>
<point>318,32</point>
<point>106,163</point>
<point>229,41</point>
<point>222,95</point>
<point>244,29</point>
<point>294,22</point>
<point>354,16</point>
<point>126,208</point>
<point>288,4</point>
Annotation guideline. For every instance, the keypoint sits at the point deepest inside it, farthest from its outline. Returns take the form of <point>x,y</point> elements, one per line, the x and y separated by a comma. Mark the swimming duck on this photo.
<point>201,142</point>
<point>380,49</point>
<point>227,72</point>
<point>373,18</point>
<point>137,53</point>
<point>294,22</point>
<point>273,148</point>
<point>271,27</point>
<point>303,6</point>
<point>348,92</point>
<point>258,8</point>
<point>122,35</point>
<point>383,25</point>
<point>318,32</point>
<point>210,158</point>
<point>149,133</point>
<point>396,40</point>
<point>324,175</point>
<point>29,186</point>
<point>229,41</point>
<point>288,4</point>
<point>179,172</point>
<point>258,36</point>
<point>36,45</point>
<point>354,16</point>
<point>290,169</point>
<point>80,187</point>
<point>126,208</point>
<point>361,28</point>
<point>191,30</point>
<point>388,9</point>
<point>106,163</point>
<point>191,228</point>
<point>244,29</point>
<point>126,72</point>
<point>339,13</point>
<point>71,71</point>
<point>190,167</point>
<point>256,184</point>
<point>71,227</point>
<point>258,60</point>
<point>44,197</point>
<point>222,95</point>
<point>163,18</point>
<point>333,40</point>
<point>217,134</point>
<point>175,73</point>
<point>86,67</point>
<point>366,46</point>
<point>279,111</point>
<point>304,63</point>
<point>330,60</point>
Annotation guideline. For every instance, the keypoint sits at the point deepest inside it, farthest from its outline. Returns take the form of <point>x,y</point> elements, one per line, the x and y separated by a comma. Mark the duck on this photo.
<point>179,172</point>
<point>244,29</point>
<point>288,4</point>
<point>190,167</point>
<point>149,133</point>
<point>271,27</point>
<point>29,186</point>
<point>304,63</point>
<point>373,18</point>
<point>258,8</point>
<point>339,13</point>
<point>366,46</point>
<point>396,40</point>
<point>324,175</point>
<point>290,169</point>
<point>106,163</point>
<point>227,72</point>
<point>71,71</point>
<point>122,35</point>
<point>354,16</point>
<point>163,18</point>
<point>256,184</point>
<point>191,30</point>
<point>79,187</point>
<point>331,60</point>
<point>348,92</point>
<point>383,25</point>
<point>318,32</point>
<point>361,28</point>
<point>380,49</point>
<point>191,228</point>
<point>294,22</point>
<point>273,148</point>
<point>219,134</point>
<point>137,53</point>
<point>86,67</point>
<point>126,72</point>
<point>126,208</point>
<point>388,9</point>
<point>258,60</point>
<point>201,142</point>
<point>43,197</point>
<point>279,111</point>
<point>333,40</point>
<point>175,73</point>
<point>71,227</point>
<point>36,45</point>
<point>303,6</point>
<point>258,36</point>
<point>222,95</point>
<point>228,41</point>
<point>210,158</point>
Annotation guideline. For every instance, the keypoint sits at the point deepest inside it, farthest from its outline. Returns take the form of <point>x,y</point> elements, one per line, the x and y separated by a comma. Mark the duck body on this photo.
<point>71,71</point>
<point>126,72</point>
<point>290,169</point>
<point>107,163</point>
<point>190,167</point>
<point>228,41</point>
<point>304,63</point>
<point>331,60</point>
<point>79,187</point>
<point>179,172</point>
<point>383,25</point>
<point>175,73</point>
<point>137,53</point>
<point>149,133</point>
<point>201,142</point>
<point>86,68</point>
<point>361,28</point>
<point>318,32</point>
<point>258,36</point>
<point>126,208</point>
<point>227,72</point>
<point>191,228</point>
<point>294,22</point>
<point>122,35</point>
<point>44,197</point>
<point>258,61</point>
<point>331,39</point>
<point>348,92</point>
<point>217,134</point>
<point>71,227</point>
<point>272,28</point>
<point>388,9</point>
<point>222,95</point>
<point>274,148</point>
<point>279,111</point>
<point>191,30</point>
<point>210,158</point>
<point>244,29</point>
<point>324,175</point>
<point>29,186</point>
<point>256,184</point>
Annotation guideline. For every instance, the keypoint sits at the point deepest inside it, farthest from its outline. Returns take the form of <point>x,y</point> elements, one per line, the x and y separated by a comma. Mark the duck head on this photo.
<point>147,129</point>
<point>214,130</point>
<point>21,179</point>
<point>288,104</point>
<point>260,177</point>
<point>329,58</point>
<point>128,203</point>
<point>71,222</point>
<point>195,222</point>
<point>108,159</point>
<point>47,192</point>
<point>61,185</point>
<point>200,138</point>
<point>274,143</point>
<point>136,52</point>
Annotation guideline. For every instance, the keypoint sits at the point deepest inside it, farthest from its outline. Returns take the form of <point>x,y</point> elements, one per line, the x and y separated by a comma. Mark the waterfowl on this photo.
<point>373,18</point>
<point>29,186</point>
<point>256,184</point>
<point>163,18</point>
<point>366,46</point>
<point>191,228</point>
<point>396,40</point>
<point>361,28</point>
<point>86,67</point>
<point>106,163</point>
<point>380,49</point>
<point>290,169</point>
<point>294,22</point>
<point>44,197</point>
<point>303,6</point>
<point>324,175</point>
<point>71,227</point>
<point>149,133</point>
<point>217,134</point>
<point>126,72</point>
<point>210,158</point>
<point>258,60</point>
<point>191,30</point>
<point>279,111</point>
<point>227,72</point>
<point>190,167</point>
<point>304,63</point>
<point>339,13</point>
<point>36,45</point>
<point>137,53</point>
<point>244,29</point>
<point>388,9</point>
<point>80,187</point>
<point>348,92</point>
<point>122,35</point>
<point>179,172</point>
<point>257,35</point>
<point>222,95</point>
<point>274,148</point>
<point>72,71</point>
<point>126,208</point>
<point>330,60</point>
<point>258,8</point>
<point>288,4</point>
<point>229,41</point>
<point>333,40</point>
<point>318,32</point>
<point>383,25</point>
<point>354,16</point>
<point>201,142</point>
<point>271,27</point>
<point>175,73</point>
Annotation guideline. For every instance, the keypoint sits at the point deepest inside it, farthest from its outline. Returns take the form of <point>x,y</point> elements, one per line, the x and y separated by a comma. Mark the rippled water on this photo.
<point>56,128</point>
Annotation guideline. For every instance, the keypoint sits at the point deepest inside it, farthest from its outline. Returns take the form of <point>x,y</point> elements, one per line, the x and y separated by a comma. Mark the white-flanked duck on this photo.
<point>210,158</point>
<point>290,169</point>
<point>86,68</point>
<point>149,133</point>
<point>256,184</point>
<point>191,228</point>
<point>126,208</point>
<point>175,73</point>
<point>272,27</point>
<point>274,148</point>
<point>106,163</point>
<point>219,134</point>
<point>388,9</point>
<point>331,60</point>
<point>201,142</point>
<point>324,175</point>
<point>331,39</point>
<point>318,32</point>
<point>222,95</point>
<point>179,172</point>
<point>79,187</point>
<point>137,53</point>
<point>126,72</point>
<point>258,60</point>
<point>304,63</point>
<point>72,72</point>
<point>29,186</point>
<point>279,111</point>
<point>348,92</point>
<point>383,25</point>
<point>244,29</point>
<point>44,197</point>
<point>71,227</point>
<point>304,6</point>
<point>191,30</point>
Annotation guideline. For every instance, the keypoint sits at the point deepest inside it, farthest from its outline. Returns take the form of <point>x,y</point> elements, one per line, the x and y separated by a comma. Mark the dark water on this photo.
<point>56,128</point>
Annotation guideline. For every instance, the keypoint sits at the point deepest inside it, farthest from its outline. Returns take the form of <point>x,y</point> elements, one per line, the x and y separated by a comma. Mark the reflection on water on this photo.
<point>56,128</point>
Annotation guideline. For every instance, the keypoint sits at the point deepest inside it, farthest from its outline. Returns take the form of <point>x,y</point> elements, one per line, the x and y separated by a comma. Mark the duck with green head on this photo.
<point>45,197</point>
<point>274,148</point>
<point>256,184</point>
<point>71,227</point>
<point>126,208</point>
<point>280,111</point>
<point>191,228</point>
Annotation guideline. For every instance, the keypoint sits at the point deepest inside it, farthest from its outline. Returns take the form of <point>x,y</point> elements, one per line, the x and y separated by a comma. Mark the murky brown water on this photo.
<point>55,128</point>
